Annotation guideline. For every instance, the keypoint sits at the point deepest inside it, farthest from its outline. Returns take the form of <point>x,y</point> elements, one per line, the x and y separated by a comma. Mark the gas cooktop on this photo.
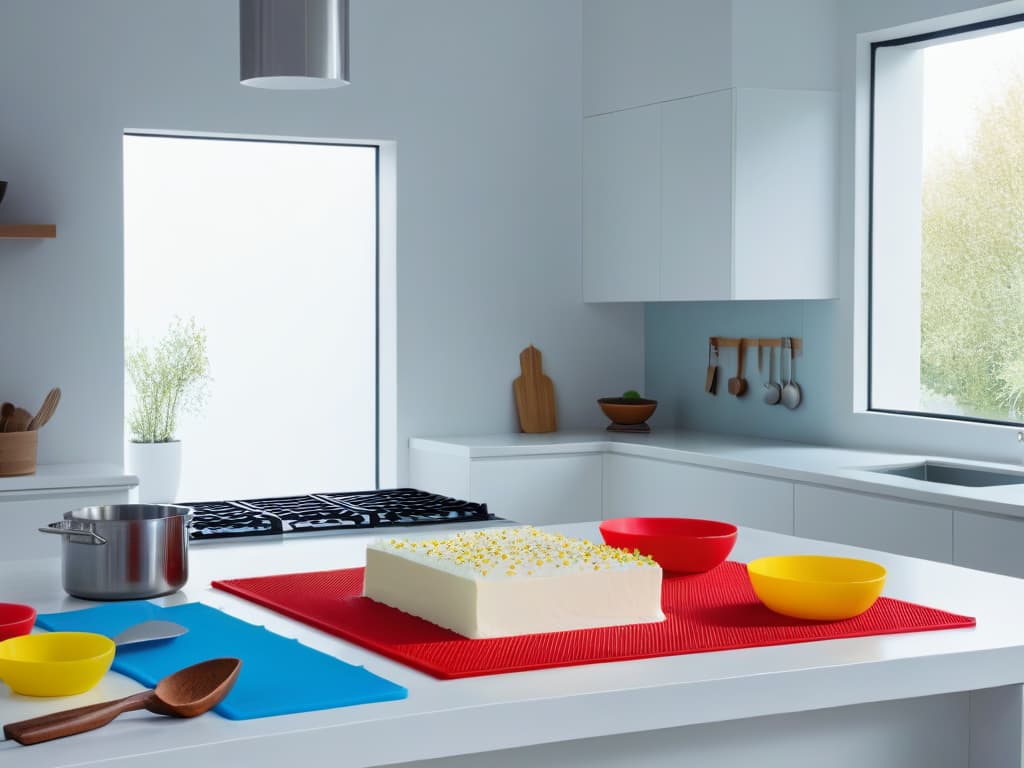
<point>329,512</point>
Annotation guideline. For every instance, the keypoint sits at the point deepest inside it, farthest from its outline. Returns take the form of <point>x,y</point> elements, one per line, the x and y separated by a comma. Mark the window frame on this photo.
<point>386,464</point>
<point>887,42</point>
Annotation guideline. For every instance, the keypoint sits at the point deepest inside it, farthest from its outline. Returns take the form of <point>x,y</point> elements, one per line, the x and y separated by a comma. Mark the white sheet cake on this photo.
<point>497,582</point>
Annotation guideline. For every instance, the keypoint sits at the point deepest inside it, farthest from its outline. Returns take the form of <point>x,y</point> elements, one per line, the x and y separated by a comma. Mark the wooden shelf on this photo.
<point>27,231</point>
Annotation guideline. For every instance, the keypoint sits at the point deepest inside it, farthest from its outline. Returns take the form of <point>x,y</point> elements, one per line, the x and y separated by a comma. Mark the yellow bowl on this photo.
<point>815,586</point>
<point>55,663</point>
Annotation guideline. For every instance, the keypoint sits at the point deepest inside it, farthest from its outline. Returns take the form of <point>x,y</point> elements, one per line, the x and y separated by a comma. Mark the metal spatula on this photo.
<point>147,631</point>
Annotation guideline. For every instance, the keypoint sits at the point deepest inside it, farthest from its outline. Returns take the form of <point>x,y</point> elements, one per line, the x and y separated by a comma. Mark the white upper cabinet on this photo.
<point>710,150</point>
<point>785,185</point>
<point>725,195</point>
<point>696,182</point>
<point>620,236</point>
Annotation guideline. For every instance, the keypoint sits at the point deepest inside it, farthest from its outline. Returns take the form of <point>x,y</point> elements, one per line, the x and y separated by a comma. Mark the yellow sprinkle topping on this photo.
<point>520,552</point>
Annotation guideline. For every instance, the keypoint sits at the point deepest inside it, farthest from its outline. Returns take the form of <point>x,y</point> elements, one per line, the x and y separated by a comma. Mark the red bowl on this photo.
<point>16,619</point>
<point>682,544</point>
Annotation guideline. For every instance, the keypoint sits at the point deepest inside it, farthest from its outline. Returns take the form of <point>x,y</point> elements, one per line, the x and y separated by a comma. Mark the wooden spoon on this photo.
<point>46,409</point>
<point>187,693</point>
<point>18,421</point>
<point>738,385</point>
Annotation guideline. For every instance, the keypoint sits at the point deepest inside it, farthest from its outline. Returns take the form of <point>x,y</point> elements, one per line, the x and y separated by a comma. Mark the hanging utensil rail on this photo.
<point>749,343</point>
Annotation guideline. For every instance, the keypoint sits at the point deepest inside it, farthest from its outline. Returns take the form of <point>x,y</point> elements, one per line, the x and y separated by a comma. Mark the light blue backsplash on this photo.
<point>676,341</point>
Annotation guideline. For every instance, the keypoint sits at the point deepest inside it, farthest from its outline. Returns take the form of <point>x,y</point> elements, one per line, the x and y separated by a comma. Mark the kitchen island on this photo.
<point>936,699</point>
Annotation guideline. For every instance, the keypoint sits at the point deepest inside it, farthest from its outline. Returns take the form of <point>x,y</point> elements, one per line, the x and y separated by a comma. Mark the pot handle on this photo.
<point>63,528</point>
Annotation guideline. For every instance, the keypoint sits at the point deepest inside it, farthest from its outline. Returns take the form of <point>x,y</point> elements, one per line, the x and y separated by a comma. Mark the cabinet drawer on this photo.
<point>639,487</point>
<point>875,522</point>
<point>989,543</point>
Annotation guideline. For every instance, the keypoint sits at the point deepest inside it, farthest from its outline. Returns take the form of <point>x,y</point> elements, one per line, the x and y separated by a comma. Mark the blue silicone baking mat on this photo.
<point>279,676</point>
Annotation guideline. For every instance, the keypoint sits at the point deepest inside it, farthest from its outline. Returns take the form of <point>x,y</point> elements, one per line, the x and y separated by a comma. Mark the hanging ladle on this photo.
<point>187,693</point>
<point>772,391</point>
<point>791,394</point>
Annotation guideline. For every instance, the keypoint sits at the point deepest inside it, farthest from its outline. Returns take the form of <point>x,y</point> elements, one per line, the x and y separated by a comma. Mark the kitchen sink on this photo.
<point>953,474</point>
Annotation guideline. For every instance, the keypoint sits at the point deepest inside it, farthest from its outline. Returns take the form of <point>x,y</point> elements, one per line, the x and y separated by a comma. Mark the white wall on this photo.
<point>484,101</point>
<point>644,51</point>
<point>784,43</point>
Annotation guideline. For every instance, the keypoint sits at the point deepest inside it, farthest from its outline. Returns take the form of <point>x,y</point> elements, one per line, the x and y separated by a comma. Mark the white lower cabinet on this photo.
<point>989,543</point>
<point>875,522</point>
<point>641,487</point>
<point>541,490</point>
<point>22,513</point>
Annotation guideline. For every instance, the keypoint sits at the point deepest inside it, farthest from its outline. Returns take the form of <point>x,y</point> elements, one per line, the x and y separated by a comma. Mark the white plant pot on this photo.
<point>158,467</point>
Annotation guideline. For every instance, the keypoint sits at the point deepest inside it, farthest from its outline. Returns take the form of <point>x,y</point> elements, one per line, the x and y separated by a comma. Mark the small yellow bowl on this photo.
<point>55,663</point>
<point>815,586</point>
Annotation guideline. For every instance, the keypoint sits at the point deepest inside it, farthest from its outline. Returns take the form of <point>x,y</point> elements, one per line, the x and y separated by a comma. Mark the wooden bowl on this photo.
<point>627,410</point>
<point>18,453</point>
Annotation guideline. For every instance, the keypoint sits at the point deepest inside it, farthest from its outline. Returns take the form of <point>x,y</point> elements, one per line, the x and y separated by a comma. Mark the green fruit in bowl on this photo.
<point>631,394</point>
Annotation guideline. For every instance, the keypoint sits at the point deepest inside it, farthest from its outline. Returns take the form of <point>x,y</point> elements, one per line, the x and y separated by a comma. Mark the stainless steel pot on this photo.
<point>124,551</point>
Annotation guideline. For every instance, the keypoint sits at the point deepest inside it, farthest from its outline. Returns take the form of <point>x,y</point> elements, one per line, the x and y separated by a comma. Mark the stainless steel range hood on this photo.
<point>293,44</point>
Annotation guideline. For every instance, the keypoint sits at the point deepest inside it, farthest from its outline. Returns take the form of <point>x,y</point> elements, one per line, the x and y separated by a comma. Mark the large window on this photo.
<point>947,223</point>
<point>271,248</point>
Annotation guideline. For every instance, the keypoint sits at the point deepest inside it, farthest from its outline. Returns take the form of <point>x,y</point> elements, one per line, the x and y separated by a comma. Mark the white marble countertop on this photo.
<point>444,718</point>
<point>812,464</point>
<point>60,476</point>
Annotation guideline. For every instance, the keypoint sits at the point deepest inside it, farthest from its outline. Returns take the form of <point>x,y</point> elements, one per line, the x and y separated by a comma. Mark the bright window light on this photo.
<point>947,224</point>
<point>271,247</point>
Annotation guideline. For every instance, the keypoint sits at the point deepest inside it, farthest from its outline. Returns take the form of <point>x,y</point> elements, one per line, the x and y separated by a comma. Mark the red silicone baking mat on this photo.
<point>713,611</point>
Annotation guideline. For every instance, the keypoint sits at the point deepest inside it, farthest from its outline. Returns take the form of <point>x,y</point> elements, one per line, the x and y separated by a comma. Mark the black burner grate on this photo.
<point>226,519</point>
<point>329,511</point>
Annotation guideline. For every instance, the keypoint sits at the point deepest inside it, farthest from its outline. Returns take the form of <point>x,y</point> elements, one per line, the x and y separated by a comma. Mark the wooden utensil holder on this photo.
<point>18,452</point>
<point>718,342</point>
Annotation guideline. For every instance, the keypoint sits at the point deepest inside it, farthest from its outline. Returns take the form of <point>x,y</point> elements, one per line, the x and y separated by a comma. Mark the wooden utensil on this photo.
<point>711,380</point>
<point>737,384</point>
<point>535,394</point>
<point>186,693</point>
<point>5,413</point>
<point>18,421</point>
<point>46,409</point>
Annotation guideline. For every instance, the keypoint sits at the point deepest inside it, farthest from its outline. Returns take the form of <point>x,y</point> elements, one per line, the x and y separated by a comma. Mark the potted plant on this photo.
<point>167,379</point>
<point>628,413</point>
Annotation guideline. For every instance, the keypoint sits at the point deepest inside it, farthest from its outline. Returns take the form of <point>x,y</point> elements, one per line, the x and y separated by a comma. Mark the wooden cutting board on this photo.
<point>535,394</point>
